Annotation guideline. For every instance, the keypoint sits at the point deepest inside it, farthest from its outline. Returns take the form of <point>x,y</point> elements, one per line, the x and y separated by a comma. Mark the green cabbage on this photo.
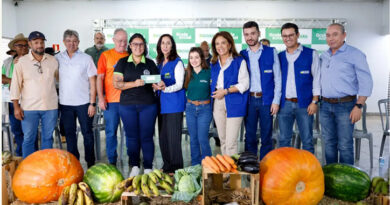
<point>186,184</point>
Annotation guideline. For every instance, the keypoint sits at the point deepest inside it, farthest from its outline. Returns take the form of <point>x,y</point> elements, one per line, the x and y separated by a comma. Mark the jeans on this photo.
<point>337,131</point>
<point>111,118</point>
<point>69,114</point>
<point>258,113</point>
<point>16,128</point>
<point>30,123</point>
<point>198,123</point>
<point>138,122</point>
<point>287,116</point>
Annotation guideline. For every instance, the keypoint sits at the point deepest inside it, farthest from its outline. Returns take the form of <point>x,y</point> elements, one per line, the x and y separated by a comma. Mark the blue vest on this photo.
<point>266,64</point>
<point>236,103</point>
<point>171,102</point>
<point>303,76</point>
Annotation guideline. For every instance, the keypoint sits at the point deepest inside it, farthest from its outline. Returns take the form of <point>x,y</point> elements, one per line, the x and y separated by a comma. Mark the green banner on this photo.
<point>273,34</point>
<point>184,35</point>
<point>235,32</point>
<point>152,51</point>
<point>318,36</point>
<point>143,31</point>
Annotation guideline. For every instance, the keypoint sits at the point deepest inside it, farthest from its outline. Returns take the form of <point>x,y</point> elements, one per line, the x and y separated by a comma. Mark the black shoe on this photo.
<point>217,141</point>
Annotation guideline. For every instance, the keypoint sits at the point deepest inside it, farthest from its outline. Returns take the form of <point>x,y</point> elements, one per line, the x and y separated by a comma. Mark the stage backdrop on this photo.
<point>189,37</point>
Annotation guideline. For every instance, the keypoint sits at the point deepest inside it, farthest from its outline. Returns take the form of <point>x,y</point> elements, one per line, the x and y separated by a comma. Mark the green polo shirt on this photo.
<point>95,53</point>
<point>199,86</point>
<point>4,71</point>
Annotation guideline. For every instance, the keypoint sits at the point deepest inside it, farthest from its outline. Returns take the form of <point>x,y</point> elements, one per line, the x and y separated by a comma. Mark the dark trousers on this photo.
<point>16,128</point>
<point>170,141</point>
<point>69,114</point>
<point>138,122</point>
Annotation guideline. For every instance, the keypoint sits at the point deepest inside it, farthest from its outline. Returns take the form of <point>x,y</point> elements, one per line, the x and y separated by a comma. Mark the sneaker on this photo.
<point>134,171</point>
<point>147,171</point>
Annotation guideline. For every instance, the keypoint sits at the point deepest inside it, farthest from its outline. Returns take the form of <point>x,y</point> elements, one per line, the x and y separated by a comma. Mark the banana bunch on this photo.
<point>380,186</point>
<point>148,183</point>
<point>76,194</point>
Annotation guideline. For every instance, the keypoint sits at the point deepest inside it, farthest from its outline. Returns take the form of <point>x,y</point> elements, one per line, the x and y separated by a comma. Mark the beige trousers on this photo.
<point>228,128</point>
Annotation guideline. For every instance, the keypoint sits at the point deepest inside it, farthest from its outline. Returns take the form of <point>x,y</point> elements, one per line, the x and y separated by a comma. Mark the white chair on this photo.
<point>361,134</point>
<point>385,105</point>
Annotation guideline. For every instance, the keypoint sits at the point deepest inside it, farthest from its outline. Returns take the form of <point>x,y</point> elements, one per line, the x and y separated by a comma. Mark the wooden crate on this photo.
<point>127,197</point>
<point>235,183</point>
<point>8,171</point>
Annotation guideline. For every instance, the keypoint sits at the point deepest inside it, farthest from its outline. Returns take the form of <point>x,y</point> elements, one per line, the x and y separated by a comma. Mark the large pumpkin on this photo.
<point>41,177</point>
<point>291,176</point>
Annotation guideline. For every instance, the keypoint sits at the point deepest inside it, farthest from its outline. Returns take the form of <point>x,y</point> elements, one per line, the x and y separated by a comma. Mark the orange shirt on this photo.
<point>106,64</point>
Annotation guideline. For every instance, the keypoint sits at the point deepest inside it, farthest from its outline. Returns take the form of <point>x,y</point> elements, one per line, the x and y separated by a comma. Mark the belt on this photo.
<point>340,100</point>
<point>197,103</point>
<point>256,95</point>
<point>292,99</point>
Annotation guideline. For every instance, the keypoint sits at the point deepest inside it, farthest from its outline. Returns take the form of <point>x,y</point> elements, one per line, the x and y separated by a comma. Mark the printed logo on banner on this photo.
<point>204,34</point>
<point>304,36</point>
<point>155,33</point>
<point>318,36</point>
<point>273,34</point>
<point>235,32</point>
<point>184,35</point>
<point>143,31</point>
<point>152,51</point>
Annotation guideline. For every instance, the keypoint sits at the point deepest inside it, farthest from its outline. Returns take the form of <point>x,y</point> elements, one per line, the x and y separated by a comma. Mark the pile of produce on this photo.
<point>220,164</point>
<point>148,183</point>
<point>76,194</point>
<point>291,176</point>
<point>380,186</point>
<point>6,157</point>
<point>41,177</point>
<point>346,182</point>
<point>188,183</point>
<point>248,162</point>
<point>105,182</point>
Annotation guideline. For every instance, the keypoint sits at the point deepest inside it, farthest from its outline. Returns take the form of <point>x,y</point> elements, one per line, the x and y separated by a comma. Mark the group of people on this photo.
<point>231,87</point>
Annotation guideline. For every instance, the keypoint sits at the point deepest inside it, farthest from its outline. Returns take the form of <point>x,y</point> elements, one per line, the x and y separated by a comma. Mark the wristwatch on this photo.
<point>93,104</point>
<point>315,102</point>
<point>359,105</point>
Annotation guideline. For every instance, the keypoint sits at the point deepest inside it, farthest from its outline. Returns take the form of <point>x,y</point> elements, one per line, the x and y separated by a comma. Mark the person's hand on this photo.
<point>355,115</point>
<point>274,109</point>
<point>162,85</point>
<point>219,94</point>
<point>102,104</point>
<point>18,112</point>
<point>312,109</point>
<point>139,82</point>
<point>91,110</point>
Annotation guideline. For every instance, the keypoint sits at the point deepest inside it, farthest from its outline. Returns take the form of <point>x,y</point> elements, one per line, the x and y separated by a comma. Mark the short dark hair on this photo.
<point>290,25</point>
<point>134,36</point>
<point>251,24</point>
<point>172,55</point>
<point>265,40</point>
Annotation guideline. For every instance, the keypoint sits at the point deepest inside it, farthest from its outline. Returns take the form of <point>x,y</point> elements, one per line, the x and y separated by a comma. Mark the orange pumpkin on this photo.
<point>291,176</point>
<point>41,177</point>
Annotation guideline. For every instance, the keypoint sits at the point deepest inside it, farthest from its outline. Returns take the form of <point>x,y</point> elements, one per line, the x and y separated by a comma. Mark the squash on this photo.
<point>41,177</point>
<point>291,176</point>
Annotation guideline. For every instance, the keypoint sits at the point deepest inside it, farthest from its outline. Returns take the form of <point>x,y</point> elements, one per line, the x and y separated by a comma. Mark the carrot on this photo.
<point>224,162</point>
<point>221,167</point>
<point>229,159</point>
<point>234,171</point>
<point>211,164</point>
<point>205,164</point>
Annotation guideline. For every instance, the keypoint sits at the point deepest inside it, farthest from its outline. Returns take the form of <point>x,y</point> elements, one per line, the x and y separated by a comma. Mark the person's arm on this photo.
<point>121,85</point>
<point>16,87</point>
<point>315,71</point>
<point>278,84</point>
<point>4,79</point>
<point>102,65</point>
<point>179,77</point>
<point>365,85</point>
<point>92,87</point>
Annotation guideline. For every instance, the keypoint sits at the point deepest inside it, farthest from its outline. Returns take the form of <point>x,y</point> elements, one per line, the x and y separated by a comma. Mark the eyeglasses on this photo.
<point>38,65</point>
<point>137,44</point>
<point>21,45</point>
<point>288,36</point>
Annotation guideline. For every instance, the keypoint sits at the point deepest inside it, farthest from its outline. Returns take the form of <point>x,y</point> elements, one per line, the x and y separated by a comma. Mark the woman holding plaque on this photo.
<point>172,101</point>
<point>137,105</point>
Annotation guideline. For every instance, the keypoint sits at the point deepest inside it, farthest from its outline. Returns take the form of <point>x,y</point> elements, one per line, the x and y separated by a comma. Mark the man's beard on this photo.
<point>39,53</point>
<point>99,46</point>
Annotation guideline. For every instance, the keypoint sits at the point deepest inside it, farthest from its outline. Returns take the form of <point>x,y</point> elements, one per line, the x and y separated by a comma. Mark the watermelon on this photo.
<point>346,182</point>
<point>104,180</point>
